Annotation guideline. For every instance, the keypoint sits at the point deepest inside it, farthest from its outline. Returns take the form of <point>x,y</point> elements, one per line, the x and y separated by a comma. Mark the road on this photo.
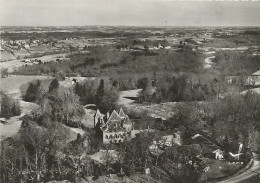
<point>252,171</point>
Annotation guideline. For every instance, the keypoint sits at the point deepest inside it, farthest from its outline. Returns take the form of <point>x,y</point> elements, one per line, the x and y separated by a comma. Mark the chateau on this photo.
<point>115,128</point>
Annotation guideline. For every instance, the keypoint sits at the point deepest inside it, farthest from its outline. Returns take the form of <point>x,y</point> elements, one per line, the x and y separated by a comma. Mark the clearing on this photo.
<point>11,85</point>
<point>163,110</point>
<point>11,128</point>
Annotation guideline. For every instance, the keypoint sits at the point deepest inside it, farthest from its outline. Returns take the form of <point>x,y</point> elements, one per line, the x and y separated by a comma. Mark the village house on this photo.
<point>115,128</point>
<point>165,141</point>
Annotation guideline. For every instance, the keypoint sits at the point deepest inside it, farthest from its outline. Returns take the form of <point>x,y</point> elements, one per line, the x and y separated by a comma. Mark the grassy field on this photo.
<point>11,128</point>
<point>11,85</point>
<point>14,123</point>
<point>88,119</point>
<point>163,110</point>
<point>127,97</point>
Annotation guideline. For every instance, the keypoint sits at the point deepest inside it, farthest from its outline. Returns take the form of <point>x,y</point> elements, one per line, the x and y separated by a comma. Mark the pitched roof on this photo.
<point>127,121</point>
<point>257,73</point>
<point>114,117</point>
<point>97,114</point>
<point>121,113</point>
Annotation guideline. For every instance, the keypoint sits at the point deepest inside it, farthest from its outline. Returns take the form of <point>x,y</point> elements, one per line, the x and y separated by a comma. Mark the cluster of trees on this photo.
<point>178,163</point>
<point>56,102</point>
<point>226,121</point>
<point>104,94</point>
<point>178,88</point>
<point>9,107</point>
<point>41,154</point>
<point>236,63</point>
<point>106,60</point>
<point>40,151</point>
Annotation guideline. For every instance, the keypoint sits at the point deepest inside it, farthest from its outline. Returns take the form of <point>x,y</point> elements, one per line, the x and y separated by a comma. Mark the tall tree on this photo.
<point>6,106</point>
<point>54,85</point>
<point>100,94</point>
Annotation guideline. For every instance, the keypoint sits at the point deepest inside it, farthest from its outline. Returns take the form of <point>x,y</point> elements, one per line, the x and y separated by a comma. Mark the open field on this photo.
<point>12,64</point>
<point>163,110</point>
<point>11,128</point>
<point>88,119</point>
<point>125,97</point>
<point>11,85</point>
<point>14,123</point>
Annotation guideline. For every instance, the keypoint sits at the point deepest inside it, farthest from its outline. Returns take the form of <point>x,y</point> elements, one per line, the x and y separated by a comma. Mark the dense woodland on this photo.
<point>237,63</point>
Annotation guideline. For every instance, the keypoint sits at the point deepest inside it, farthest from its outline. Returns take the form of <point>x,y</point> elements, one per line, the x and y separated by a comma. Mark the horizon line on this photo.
<point>130,25</point>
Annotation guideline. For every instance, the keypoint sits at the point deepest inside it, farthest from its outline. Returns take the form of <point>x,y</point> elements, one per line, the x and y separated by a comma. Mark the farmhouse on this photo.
<point>115,128</point>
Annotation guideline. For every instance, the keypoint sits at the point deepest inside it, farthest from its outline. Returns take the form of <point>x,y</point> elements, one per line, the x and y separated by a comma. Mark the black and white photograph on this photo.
<point>129,91</point>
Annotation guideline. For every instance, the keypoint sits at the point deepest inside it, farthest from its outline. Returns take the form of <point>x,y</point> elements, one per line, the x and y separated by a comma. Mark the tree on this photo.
<point>100,90</point>
<point>4,72</point>
<point>6,106</point>
<point>106,97</point>
<point>136,153</point>
<point>143,82</point>
<point>16,109</point>
<point>235,119</point>
<point>54,85</point>
<point>60,75</point>
<point>154,82</point>
<point>35,143</point>
<point>32,91</point>
<point>9,107</point>
<point>100,94</point>
<point>181,163</point>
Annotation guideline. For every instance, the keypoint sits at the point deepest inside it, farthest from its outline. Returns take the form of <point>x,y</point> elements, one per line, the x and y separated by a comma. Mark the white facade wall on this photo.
<point>113,137</point>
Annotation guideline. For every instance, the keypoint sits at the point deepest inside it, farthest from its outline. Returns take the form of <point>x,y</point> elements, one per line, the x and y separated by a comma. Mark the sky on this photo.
<point>129,13</point>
